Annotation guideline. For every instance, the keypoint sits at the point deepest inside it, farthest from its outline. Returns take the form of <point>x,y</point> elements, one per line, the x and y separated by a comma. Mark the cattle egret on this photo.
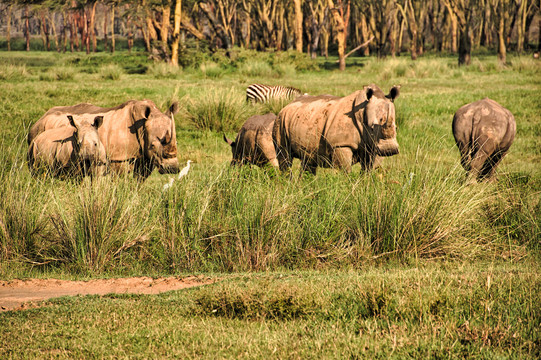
<point>169,184</point>
<point>184,171</point>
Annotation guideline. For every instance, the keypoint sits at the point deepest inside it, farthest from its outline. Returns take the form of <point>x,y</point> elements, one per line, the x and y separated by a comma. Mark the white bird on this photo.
<point>184,171</point>
<point>169,184</point>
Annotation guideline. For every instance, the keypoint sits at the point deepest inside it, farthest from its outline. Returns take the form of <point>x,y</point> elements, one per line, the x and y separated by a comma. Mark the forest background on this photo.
<point>169,28</point>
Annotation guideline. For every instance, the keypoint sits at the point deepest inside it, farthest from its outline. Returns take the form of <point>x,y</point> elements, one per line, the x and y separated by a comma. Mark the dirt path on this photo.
<point>22,294</point>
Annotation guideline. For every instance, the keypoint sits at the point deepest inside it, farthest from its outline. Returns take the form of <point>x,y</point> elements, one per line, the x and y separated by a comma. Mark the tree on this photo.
<point>298,25</point>
<point>176,32</point>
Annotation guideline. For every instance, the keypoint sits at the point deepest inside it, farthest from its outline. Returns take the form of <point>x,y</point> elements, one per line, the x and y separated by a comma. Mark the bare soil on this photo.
<point>24,294</point>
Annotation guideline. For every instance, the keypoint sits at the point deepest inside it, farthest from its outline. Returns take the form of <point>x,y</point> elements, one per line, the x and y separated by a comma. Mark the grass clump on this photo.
<point>164,71</point>
<point>255,68</point>
<point>11,72</point>
<point>218,110</point>
<point>211,70</point>
<point>111,72</point>
<point>98,229</point>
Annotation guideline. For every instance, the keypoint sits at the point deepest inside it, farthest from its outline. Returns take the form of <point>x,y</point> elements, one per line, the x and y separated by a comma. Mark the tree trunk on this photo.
<point>340,35</point>
<point>86,37</point>
<point>27,28</point>
<point>521,18</point>
<point>454,27</point>
<point>73,33</point>
<point>105,39</point>
<point>364,34</point>
<point>55,35</point>
<point>130,33</point>
<point>45,31</point>
<point>64,32</point>
<point>501,35</point>
<point>113,29</point>
<point>8,30</point>
<point>464,49</point>
<point>176,33</point>
<point>92,27</point>
<point>413,30</point>
<point>298,25</point>
<point>164,30</point>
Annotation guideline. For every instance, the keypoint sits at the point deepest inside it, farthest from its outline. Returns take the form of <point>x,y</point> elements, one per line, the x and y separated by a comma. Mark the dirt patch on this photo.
<point>23,294</point>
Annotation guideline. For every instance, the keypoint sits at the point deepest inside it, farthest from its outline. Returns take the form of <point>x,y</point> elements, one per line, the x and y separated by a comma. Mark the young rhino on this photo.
<point>254,144</point>
<point>71,151</point>
<point>484,131</point>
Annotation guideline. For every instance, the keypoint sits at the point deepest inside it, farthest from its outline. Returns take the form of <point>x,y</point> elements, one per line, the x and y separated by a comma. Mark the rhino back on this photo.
<point>314,121</point>
<point>53,149</point>
<point>484,118</point>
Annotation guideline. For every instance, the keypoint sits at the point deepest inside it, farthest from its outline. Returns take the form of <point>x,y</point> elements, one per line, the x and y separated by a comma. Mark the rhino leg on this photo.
<point>480,161</point>
<point>343,158</point>
<point>308,165</point>
<point>487,172</point>
<point>465,156</point>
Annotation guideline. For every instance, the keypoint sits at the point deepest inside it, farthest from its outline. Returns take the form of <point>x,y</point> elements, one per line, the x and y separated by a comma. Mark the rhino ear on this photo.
<point>141,111</point>
<point>368,91</point>
<point>393,93</point>
<point>173,109</point>
<point>98,121</point>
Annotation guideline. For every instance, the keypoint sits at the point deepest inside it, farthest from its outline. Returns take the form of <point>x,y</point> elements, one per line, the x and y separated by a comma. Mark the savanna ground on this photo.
<point>404,262</point>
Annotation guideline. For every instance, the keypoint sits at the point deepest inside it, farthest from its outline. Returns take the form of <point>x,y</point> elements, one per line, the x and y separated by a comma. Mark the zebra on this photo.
<point>264,93</point>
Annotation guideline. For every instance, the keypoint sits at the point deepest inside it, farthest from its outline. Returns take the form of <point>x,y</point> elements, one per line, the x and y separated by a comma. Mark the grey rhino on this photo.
<point>137,136</point>
<point>335,131</point>
<point>74,150</point>
<point>254,144</point>
<point>484,131</point>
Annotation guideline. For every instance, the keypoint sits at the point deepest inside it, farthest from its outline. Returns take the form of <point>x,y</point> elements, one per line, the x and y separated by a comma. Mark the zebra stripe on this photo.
<point>264,93</point>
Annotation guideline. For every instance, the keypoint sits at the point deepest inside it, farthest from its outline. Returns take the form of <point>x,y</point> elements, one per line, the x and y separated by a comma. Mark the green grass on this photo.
<point>395,262</point>
<point>431,311</point>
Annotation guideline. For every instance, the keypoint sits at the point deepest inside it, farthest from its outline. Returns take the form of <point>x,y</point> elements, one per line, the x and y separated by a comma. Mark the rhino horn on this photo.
<point>227,140</point>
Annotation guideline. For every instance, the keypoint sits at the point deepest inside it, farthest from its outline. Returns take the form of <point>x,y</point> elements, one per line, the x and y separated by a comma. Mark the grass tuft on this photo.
<point>218,110</point>
<point>111,72</point>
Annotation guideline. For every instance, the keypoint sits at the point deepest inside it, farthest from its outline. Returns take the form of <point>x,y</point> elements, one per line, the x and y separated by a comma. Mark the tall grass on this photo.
<point>218,110</point>
<point>238,219</point>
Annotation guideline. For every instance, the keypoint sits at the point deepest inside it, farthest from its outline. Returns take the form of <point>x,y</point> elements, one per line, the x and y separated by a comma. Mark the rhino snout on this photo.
<point>387,147</point>
<point>168,166</point>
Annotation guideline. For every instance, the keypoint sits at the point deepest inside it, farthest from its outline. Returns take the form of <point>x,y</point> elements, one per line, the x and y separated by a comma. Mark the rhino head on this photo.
<point>376,112</point>
<point>157,136</point>
<point>89,149</point>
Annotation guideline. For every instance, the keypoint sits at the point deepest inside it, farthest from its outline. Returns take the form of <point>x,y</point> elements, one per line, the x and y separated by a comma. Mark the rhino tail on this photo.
<point>227,140</point>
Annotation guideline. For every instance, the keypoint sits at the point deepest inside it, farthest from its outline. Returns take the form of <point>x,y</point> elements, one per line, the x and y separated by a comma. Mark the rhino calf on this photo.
<point>484,131</point>
<point>254,144</point>
<point>74,150</point>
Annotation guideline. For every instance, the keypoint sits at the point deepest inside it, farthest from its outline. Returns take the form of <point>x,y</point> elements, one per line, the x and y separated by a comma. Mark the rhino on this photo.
<point>331,131</point>
<point>137,136</point>
<point>484,131</point>
<point>254,144</point>
<point>69,151</point>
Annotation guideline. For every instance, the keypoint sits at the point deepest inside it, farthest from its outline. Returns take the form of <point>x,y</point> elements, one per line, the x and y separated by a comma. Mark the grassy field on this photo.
<point>405,261</point>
